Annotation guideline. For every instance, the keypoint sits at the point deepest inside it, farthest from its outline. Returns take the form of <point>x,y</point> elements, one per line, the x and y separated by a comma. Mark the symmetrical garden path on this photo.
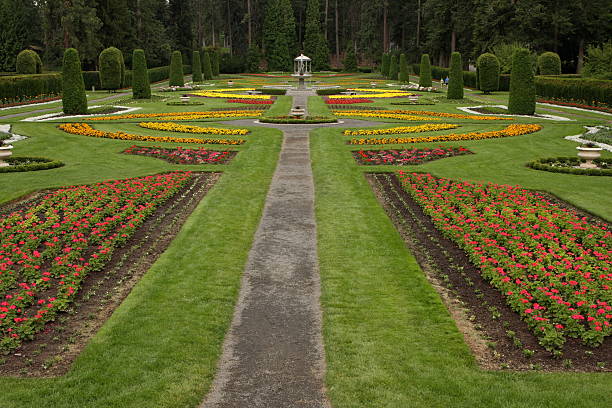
<point>273,355</point>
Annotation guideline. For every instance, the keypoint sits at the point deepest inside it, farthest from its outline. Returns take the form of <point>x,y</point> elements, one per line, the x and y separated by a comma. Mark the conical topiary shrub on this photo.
<point>111,68</point>
<point>206,67</point>
<point>488,73</point>
<point>176,69</point>
<point>197,67</point>
<point>403,69</point>
<point>141,86</point>
<point>549,63</point>
<point>214,62</point>
<point>455,78</point>
<point>522,86</point>
<point>73,98</point>
<point>384,68</point>
<point>393,69</point>
<point>425,72</point>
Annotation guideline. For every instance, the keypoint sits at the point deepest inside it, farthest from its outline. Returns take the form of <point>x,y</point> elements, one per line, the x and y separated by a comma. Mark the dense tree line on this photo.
<point>270,27</point>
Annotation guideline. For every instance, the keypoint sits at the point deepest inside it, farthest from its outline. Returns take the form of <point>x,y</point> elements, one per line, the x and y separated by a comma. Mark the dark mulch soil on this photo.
<point>455,277</point>
<point>53,350</point>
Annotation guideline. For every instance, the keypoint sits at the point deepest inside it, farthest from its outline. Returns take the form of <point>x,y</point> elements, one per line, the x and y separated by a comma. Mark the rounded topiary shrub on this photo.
<point>73,98</point>
<point>425,72</point>
<point>488,72</point>
<point>111,68</point>
<point>455,77</point>
<point>549,63</point>
<point>141,85</point>
<point>522,86</point>
<point>176,69</point>
<point>403,69</point>
<point>384,68</point>
<point>393,68</point>
<point>197,67</point>
<point>39,63</point>
<point>26,62</point>
<point>207,67</point>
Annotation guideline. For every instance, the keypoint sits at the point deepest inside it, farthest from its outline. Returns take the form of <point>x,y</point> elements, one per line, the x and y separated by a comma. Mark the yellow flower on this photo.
<point>400,129</point>
<point>185,115</point>
<point>176,127</point>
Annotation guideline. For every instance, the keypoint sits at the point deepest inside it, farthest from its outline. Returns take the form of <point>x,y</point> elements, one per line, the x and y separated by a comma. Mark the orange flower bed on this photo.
<point>185,115</point>
<point>411,114</point>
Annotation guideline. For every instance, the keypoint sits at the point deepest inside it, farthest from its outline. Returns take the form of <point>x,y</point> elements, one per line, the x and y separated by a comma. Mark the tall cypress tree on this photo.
<point>206,67</point>
<point>403,69</point>
<point>393,69</point>
<point>455,80</point>
<point>73,96</point>
<point>196,68</point>
<point>384,69</point>
<point>141,86</point>
<point>425,72</point>
<point>315,45</point>
<point>176,69</point>
<point>521,100</point>
<point>214,62</point>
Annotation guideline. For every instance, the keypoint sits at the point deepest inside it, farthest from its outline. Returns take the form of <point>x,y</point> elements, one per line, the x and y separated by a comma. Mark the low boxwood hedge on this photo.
<point>272,91</point>
<point>331,91</point>
<point>569,162</point>
<point>24,163</point>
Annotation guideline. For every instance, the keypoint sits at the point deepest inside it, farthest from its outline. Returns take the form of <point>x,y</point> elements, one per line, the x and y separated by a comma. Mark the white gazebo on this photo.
<point>302,68</point>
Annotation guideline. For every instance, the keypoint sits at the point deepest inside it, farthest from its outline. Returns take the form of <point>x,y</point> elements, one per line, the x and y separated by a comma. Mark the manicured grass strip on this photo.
<point>160,347</point>
<point>281,106</point>
<point>389,341</point>
<point>318,107</point>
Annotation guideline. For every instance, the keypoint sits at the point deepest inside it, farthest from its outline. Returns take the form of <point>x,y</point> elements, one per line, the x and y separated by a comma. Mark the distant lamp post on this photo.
<point>302,68</point>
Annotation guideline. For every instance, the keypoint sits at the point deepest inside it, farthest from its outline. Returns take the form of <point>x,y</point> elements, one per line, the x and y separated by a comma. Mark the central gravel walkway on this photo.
<point>273,355</point>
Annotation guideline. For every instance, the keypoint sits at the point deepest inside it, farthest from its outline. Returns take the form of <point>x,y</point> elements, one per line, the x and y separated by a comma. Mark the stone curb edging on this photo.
<point>468,109</point>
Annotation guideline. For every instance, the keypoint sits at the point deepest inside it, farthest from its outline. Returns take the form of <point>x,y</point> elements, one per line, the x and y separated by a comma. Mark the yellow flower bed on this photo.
<point>225,93</point>
<point>411,114</point>
<point>185,115</point>
<point>376,90</point>
<point>512,130</point>
<point>177,127</point>
<point>400,130</point>
<point>86,130</point>
<point>395,94</point>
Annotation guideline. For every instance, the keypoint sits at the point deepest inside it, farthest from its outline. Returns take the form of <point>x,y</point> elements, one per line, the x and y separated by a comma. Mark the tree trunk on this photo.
<point>385,28</point>
<point>337,35</point>
<point>453,41</point>
<point>229,28</point>
<point>580,62</point>
<point>326,16</point>
<point>418,27</point>
<point>249,21</point>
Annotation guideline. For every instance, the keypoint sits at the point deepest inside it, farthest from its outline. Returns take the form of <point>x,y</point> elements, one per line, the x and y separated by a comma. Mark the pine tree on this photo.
<point>181,19</point>
<point>141,86</point>
<point>315,45</point>
<point>176,69</point>
<point>73,98</point>
<point>403,69</point>
<point>111,68</point>
<point>196,69</point>
<point>117,28</point>
<point>279,35</point>
<point>425,72</point>
<point>81,24</point>
<point>455,80</point>
<point>206,67</point>
<point>19,28</point>
<point>393,68</point>
<point>522,86</point>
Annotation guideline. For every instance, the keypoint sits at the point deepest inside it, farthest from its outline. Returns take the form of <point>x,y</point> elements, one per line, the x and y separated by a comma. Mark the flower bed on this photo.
<point>31,102</point>
<point>408,156</point>
<point>576,105</point>
<point>51,246</point>
<point>285,120</point>
<point>229,93</point>
<point>550,264</point>
<point>181,155</point>
<point>251,101</point>
<point>347,101</point>
<point>185,115</point>
<point>400,130</point>
<point>512,130</point>
<point>177,127</point>
<point>569,165</point>
<point>412,115</point>
<point>86,130</point>
<point>19,164</point>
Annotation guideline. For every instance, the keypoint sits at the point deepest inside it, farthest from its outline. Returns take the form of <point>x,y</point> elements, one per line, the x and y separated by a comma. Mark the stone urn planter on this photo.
<point>589,153</point>
<point>5,152</point>
<point>185,98</point>
<point>298,112</point>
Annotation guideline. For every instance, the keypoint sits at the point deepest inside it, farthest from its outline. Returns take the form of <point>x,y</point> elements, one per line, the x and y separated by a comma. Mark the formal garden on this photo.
<point>397,235</point>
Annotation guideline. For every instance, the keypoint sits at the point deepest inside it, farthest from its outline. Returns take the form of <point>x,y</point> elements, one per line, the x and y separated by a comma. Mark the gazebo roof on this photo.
<point>302,57</point>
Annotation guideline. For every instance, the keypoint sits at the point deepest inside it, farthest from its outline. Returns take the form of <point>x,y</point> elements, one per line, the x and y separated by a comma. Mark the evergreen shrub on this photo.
<point>522,87</point>
<point>455,80</point>
<point>74,98</point>
<point>176,69</point>
<point>549,63</point>
<point>141,85</point>
<point>488,72</point>
<point>425,72</point>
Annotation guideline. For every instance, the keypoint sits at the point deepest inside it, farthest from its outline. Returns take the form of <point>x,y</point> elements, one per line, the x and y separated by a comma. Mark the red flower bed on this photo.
<point>551,265</point>
<point>577,105</point>
<point>347,101</point>
<point>181,155</point>
<point>251,101</point>
<point>407,156</point>
<point>48,248</point>
<point>32,101</point>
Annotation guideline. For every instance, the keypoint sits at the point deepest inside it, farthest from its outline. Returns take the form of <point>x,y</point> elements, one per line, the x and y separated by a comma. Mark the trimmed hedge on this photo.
<point>393,68</point>
<point>331,91</point>
<point>425,72</point>
<point>141,85</point>
<point>197,67</point>
<point>26,63</point>
<point>549,63</point>
<point>74,98</point>
<point>19,164</point>
<point>272,91</point>
<point>176,70</point>
<point>587,91</point>
<point>206,67</point>
<point>112,71</point>
<point>545,165</point>
<point>20,88</point>
<point>522,87</point>
<point>403,69</point>
<point>488,72</point>
<point>455,81</point>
